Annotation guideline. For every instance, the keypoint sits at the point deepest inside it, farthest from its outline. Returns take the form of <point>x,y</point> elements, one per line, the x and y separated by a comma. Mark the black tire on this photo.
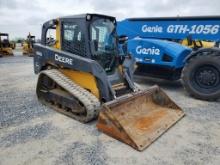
<point>201,76</point>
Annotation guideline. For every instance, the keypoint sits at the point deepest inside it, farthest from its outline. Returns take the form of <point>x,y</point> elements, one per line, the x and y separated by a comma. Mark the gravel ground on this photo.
<point>31,133</point>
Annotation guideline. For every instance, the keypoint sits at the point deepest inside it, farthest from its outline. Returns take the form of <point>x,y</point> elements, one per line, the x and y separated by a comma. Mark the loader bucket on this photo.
<point>140,118</point>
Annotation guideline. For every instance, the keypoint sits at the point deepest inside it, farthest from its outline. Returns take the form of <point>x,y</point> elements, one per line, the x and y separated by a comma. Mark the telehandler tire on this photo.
<point>201,76</point>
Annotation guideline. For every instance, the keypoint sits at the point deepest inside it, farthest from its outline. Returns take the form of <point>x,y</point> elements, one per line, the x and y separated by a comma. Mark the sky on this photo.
<point>19,17</point>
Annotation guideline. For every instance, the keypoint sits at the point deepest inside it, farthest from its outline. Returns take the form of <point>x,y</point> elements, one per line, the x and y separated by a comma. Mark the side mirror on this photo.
<point>122,39</point>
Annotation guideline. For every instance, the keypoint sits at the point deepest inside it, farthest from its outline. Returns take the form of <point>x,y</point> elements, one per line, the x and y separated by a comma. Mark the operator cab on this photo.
<point>92,36</point>
<point>4,40</point>
<point>87,35</point>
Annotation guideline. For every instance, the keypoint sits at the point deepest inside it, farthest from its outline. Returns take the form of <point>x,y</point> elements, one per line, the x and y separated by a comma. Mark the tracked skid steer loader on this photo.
<point>82,76</point>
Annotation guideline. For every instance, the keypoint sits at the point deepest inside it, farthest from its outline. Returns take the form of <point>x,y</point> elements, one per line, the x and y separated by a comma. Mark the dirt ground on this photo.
<point>31,133</point>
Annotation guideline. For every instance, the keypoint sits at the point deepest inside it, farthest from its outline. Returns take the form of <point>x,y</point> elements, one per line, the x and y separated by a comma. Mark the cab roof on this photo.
<point>3,34</point>
<point>83,16</point>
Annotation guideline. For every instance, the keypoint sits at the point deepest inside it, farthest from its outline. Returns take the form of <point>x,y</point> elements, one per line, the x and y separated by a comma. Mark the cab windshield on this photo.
<point>103,42</point>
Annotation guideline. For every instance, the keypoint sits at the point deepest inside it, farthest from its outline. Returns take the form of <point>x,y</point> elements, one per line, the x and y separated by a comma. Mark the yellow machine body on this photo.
<point>199,44</point>
<point>6,46</point>
<point>6,51</point>
<point>27,47</point>
<point>85,80</point>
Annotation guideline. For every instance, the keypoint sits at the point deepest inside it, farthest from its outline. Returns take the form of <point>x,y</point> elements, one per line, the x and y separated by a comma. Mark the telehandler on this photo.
<point>82,76</point>
<point>5,46</point>
<point>177,48</point>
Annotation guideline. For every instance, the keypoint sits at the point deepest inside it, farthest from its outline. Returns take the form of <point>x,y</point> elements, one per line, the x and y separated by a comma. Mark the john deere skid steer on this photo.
<point>82,76</point>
